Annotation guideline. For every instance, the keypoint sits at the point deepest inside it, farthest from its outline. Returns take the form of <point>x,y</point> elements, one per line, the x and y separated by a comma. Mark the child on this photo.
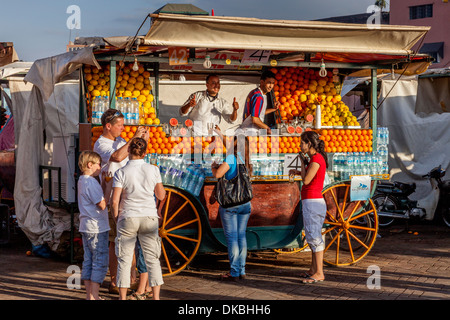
<point>94,224</point>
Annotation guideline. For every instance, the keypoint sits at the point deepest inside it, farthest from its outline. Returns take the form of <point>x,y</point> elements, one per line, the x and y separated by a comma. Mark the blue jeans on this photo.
<point>234,223</point>
<point>140,261</point>
<point>96,256</point>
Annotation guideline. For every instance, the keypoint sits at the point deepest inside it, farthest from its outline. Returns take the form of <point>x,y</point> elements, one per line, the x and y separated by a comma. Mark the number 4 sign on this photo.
<point>252,56</point>
<point>178,55</point>
<point>291,161</point>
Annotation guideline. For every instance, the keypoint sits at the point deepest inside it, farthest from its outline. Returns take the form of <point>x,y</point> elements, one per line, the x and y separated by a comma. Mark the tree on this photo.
<point>382,4</point>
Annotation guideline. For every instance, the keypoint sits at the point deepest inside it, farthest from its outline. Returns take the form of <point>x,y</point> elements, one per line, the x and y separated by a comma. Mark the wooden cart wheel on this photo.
<point>180,230</point>
<point>350,227</point>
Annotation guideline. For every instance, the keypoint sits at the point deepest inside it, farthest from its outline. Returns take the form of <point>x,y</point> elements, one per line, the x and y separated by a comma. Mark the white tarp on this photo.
<point>53,107</point>
<point>417,142</point>
<point>285,35</point>
<point>433,94</point>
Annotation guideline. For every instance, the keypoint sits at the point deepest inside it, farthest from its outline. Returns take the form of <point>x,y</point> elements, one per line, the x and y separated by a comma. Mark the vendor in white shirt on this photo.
<point>206,107</point>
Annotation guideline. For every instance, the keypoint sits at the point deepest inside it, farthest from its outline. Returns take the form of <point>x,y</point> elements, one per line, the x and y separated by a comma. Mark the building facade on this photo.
<point>433,13</point>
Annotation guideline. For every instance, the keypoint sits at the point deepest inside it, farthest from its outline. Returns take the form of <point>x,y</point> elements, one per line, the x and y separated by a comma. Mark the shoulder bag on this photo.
<point>230,193</point>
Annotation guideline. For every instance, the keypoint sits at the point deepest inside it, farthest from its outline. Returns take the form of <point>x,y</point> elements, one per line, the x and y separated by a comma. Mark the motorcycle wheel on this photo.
<point>381,202</point>
<point>446,216</point>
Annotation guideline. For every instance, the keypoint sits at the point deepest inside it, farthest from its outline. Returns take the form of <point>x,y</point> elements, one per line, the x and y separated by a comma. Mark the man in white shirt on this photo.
<point>206,107</point>
<point>113,150</point>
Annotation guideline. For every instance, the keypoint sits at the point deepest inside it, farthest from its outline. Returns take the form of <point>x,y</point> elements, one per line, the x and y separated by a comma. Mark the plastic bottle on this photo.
<point>350,168</point>
<point>119,104</point>
<point>199,184</point>
<point>126,111</point>
<point>318,117</point>
<point>135,111</point>
<point>94,119</point>
<point>187,178</point>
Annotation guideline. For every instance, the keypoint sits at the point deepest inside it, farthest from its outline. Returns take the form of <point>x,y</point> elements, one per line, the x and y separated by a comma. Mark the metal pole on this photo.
<point>373,110</point>
<point>112,84</point>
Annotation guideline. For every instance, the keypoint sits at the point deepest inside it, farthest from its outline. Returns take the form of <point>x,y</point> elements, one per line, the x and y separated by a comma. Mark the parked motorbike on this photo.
<point>392,201</point>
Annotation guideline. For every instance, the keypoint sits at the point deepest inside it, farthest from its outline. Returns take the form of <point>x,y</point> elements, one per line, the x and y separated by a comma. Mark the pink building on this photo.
<point>433,13</point>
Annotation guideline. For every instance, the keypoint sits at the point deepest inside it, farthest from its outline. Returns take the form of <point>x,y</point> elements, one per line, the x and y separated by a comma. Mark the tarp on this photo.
<point>285,35</point>
<point>417,142</point>
<point>433,93</point>
<point>52,107</point>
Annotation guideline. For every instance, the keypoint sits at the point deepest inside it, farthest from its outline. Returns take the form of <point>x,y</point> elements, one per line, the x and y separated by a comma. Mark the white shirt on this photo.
<point>138,180</point>
<point>208,109</point>
<point>105,148</point>
<point>92,219</point>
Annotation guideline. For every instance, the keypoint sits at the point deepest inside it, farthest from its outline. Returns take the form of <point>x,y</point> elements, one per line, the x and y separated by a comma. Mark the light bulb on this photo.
<point>135,65</point>
<point>323,71</point>
<point>207,62</point>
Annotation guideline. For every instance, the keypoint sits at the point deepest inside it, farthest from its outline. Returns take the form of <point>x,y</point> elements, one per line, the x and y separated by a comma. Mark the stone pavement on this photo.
<point>413,265</point>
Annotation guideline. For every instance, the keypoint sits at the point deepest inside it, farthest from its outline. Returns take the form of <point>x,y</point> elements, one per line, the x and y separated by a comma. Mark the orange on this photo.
<point>127,128</point>
<point>123,134</point>
<point>130,135</point>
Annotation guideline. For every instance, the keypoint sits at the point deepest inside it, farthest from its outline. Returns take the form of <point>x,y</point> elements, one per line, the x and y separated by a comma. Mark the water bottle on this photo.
<point>95,103</point>
<point>119,104</point>
<point>186,178</point>
<point>343,164</point>
<point>387,135</point>
<point>199,185</point>
<point>126,111</point>
<point>336,162</point>
<point>193,181</point>
<point>134,111</point>
<point>350,168</point>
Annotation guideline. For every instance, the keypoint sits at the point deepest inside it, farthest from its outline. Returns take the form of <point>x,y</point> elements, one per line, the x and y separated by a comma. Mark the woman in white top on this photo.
<point>134,208</point>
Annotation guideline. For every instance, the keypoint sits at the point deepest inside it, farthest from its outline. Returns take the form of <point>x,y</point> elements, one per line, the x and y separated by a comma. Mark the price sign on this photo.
<point>252,56</point>
<point>291,161</point>
<point>178,56</point>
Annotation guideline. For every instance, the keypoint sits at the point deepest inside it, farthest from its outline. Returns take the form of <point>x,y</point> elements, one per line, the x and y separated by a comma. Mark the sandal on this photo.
<point>311,280</point>
<point>136,296</point>
<point>305,275</point>
<point>227,276</point>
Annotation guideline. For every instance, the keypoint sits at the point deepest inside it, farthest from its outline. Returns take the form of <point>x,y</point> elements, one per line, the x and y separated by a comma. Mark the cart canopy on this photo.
<point>283,35</point>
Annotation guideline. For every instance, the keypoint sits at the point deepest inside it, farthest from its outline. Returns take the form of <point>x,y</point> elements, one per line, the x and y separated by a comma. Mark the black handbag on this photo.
<point>230,193</point>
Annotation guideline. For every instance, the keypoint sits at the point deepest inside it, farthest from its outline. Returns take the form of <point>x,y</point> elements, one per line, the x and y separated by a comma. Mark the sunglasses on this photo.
<point>115,115</point>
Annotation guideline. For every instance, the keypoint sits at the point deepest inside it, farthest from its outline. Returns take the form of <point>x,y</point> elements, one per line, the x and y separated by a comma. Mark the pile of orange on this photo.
<point>347,140</point>
<point>300,90</point>
<point>274,145</point>
<point>96,133</point>
<point>129,84</point>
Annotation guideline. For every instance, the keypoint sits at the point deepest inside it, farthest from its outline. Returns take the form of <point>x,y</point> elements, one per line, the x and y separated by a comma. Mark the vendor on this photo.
<point>256,105</point>
<point>206,107</point>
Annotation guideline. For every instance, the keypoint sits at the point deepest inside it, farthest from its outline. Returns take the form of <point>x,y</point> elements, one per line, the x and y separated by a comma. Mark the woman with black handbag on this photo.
<point>234,192</point>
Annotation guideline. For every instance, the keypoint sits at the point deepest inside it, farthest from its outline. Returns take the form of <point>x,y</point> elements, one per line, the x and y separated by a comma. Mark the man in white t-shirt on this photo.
<point>113,150</point>
<point>206,107</point>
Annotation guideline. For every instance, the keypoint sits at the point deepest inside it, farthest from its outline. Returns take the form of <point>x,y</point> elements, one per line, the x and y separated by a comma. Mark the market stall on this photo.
<point>310,60</point>
<point>126,73</point>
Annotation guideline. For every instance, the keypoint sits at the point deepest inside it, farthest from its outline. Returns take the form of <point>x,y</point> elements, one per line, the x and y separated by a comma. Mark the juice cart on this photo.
<point>309,79</point>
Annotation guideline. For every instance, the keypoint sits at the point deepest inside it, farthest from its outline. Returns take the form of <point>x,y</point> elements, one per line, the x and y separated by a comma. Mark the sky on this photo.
<point>39,29</point>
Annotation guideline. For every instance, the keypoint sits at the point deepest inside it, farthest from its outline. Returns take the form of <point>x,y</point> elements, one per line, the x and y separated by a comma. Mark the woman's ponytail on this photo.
<point>319,145</point>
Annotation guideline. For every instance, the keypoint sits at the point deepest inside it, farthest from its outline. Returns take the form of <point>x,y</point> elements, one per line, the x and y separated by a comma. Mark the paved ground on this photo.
<point>413,265</point>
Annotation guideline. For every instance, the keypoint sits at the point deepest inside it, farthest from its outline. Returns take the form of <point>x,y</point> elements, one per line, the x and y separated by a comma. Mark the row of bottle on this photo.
<point>382,136</point>
<point>178,173</point>
<point>268,168</point>
<point>99,105</point>
<point>130,110</point>
<point>359,163</point>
